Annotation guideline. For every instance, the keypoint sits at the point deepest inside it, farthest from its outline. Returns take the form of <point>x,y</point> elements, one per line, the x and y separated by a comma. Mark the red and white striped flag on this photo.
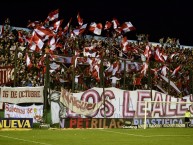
<point>116,66</point>
<point>158,56</point>
<point>53,15</point>
<point>67,26</point>
<point>171,83</point>
<point>107,25</point>
<point>57,24</point>
<point>80,20</point>
<point>147,52</point>
<point>173,55</point>
<point>96,28</point>
<point>52,43</point>
<point>176,70</point>
<point>164,70</point>
<point>42,31</point>
<point>28,61</point>
<point>80,30</point>
<point>35,39</point>
<point>115,23</point>
<point>144,68</point>
<point>127,27</point>
<point>124,44</point>
<point>95,72</point>
<point>20,37</point>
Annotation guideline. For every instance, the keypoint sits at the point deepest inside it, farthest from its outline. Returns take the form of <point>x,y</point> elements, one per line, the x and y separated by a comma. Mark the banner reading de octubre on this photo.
<point>17,95</point>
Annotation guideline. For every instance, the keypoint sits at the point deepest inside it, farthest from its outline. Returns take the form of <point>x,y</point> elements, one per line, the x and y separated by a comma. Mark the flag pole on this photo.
<point>103,84</point>
<point>150,79</point>
<point>124,81</point>
<point>169,78</point>
<point>46,84</point>
<point>15,65</point>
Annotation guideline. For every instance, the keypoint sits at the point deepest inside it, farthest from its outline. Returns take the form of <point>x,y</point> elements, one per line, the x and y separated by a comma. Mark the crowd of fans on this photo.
<point>80,62</point>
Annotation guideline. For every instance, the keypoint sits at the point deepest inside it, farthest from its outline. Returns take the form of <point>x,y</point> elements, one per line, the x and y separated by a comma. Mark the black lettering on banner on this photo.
<point>13,94</point>
<point>5,94</point>
<point>16,123</point>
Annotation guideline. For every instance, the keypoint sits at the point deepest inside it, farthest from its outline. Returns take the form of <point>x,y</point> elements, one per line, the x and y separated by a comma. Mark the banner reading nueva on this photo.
<point>16,122</point>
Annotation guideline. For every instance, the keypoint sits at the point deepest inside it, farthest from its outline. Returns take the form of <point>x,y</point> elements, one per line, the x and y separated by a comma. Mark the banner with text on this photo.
<point>127,104</point>
<point>15,111</point>
<point>119,122</point>
<point>6,75</point>
<point>80,107</point>
<point>16,122</point>
<point>17,95</point>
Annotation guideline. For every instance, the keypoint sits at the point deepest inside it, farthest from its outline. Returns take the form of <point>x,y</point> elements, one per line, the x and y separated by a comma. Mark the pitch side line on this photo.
<point>24,140</point>
<point>146,135</point>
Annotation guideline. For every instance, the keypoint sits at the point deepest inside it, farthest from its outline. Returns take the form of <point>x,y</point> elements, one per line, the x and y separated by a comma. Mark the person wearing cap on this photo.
<point>187,116</point>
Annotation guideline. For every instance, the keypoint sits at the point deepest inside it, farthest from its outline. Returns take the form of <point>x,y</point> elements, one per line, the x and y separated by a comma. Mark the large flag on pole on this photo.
<point>171,83</point>
<point>127,27</point>
<point>96,28</point>
<point>80,20</point>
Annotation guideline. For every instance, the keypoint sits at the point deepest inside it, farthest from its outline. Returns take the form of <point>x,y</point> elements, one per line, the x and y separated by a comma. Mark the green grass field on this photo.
<point>150,136</point>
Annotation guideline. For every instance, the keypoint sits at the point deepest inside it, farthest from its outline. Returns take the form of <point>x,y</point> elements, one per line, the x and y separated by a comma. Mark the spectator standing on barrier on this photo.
<point>187,116</point>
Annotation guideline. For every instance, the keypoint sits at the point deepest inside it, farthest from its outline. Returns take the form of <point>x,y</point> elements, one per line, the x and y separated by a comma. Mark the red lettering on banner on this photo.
<point>107,106</point>
<point>91,95</point>
<point>129,106</point>
<point>79,122</point>
<point>73,123</point>
<point>95,97</point>
<point>6,75</point>
<point>9,108</point>
<point>158,108</point>
<point>126,103</point>
<point>169,111</point>
<point>181,108</point>
<point>29,110</point>
<point>87,122</point>
<point>142,96</point>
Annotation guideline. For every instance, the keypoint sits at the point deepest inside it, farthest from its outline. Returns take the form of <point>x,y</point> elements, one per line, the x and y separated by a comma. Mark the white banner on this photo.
<point>15,111</point>
<point>18,95</point>
<point>128,104</point>
<point>1,105</point>
<point>80,107</point>
<point>55,116</point>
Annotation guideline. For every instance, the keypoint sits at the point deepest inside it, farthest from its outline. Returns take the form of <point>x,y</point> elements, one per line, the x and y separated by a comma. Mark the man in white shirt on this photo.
<point>114,80</point>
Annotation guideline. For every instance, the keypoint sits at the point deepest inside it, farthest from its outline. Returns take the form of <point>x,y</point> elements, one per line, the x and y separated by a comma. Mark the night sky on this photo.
<point>165,18</point>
